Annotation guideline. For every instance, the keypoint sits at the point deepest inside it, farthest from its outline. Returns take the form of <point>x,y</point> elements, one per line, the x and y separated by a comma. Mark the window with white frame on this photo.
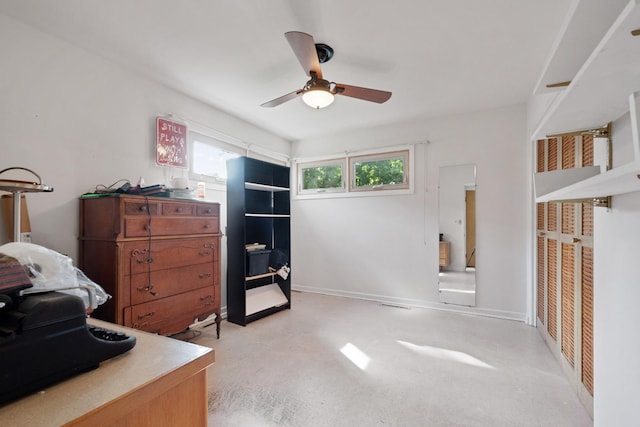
<point>379,171</point>
<point>322,176</point>
<point>388,170</point>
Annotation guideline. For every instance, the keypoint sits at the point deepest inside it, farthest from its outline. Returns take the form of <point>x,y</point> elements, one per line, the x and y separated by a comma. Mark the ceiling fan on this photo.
<point>318,92</point>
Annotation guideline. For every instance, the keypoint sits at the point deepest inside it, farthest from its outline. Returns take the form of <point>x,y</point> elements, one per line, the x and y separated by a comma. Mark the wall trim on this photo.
<point>386,299</point>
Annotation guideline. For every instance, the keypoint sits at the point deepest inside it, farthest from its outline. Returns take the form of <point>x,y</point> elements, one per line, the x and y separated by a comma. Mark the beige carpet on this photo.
<point>333,361</point>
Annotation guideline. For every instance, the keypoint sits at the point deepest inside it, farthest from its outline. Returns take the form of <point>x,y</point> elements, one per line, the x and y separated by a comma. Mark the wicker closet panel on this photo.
<point>568,298</point>
<point>540,285</point>
<point>587,318</point>
<point>587,150</point>
<point>552,288</point>
<point>587,219</point>
<point>540,155</point>
<point>568,218</point>
<point>540,216</point>
<point>552,163</point>
<point>568,152</point>
<point>552,216</point>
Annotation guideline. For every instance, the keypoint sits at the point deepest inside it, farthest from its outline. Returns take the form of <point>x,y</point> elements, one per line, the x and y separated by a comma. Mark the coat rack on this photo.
<point>17,188</point>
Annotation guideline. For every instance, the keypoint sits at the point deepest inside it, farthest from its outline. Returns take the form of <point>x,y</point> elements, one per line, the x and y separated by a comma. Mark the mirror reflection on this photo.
<point>457,226</point>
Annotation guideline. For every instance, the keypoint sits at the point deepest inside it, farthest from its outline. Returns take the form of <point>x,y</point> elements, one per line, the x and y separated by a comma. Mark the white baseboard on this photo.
<point>407,302</point>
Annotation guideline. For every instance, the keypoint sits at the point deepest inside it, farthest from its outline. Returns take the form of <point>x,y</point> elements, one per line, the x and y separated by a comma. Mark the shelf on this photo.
<point>266,215</point>
<point>548,183</point>
<point>264,297</point>
<point>599,92</point>
<point>620,180</point>
<point>256,212</point>
<point>263,187</point>
<point>604,89</point>
<point>585,25</point>
<point>260,276</point>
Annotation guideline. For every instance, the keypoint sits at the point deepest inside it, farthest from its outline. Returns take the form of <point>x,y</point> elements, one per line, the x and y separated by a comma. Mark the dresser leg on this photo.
<point>218,324</point>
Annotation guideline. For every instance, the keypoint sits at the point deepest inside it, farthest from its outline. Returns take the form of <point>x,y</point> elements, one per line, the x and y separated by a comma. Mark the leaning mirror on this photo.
<point>457,226</point>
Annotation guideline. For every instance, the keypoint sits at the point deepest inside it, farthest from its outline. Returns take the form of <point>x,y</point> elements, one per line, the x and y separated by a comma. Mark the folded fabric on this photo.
<point>284,272</point>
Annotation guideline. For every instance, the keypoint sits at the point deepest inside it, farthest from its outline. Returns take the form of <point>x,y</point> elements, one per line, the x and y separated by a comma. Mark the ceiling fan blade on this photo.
<point>305,49</point>
<point>282,99</point>
<point>372,95</point>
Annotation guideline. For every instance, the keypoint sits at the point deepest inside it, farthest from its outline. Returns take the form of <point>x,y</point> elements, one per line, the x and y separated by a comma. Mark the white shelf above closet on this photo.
<point>599,92</point>
<point>604,89</point>
<point>621,180</point>
<point>586,23</point>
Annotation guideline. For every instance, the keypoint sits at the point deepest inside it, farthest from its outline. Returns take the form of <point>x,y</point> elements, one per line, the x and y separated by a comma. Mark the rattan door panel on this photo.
<point>564,269</point>
<point>568,152</point>
<point>552,288</point>
<point>567,311</point>
<point>587,319</point>
<point>540,284</point>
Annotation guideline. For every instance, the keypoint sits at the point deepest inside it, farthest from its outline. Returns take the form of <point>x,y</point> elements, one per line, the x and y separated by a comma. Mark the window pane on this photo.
<point>387,170</point>
<point>210,161</point>
<point>380,172</point>
<point>322,177</point>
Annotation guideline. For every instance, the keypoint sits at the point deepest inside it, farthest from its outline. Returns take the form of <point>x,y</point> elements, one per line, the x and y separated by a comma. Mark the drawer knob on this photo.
<point>204,275</point>
<point>147,288</point>
<point>206,226</point>
<point>179,210</point>
<point>143,208</point>
<point>208,299</point>
<point>149,314</point>
<point>145,261</point>
<point>147,227</point>
<point>205,253</point>
<point>208,210</point>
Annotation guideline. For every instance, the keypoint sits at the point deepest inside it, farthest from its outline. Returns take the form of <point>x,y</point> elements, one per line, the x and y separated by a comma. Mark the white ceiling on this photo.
<point>438,57</point>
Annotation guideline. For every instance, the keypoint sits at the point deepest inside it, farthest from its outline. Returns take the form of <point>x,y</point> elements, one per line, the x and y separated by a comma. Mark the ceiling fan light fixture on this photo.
<point>317,98</point>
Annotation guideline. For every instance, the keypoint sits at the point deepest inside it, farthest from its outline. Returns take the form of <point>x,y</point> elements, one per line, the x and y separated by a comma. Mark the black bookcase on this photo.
<point>258,211</point>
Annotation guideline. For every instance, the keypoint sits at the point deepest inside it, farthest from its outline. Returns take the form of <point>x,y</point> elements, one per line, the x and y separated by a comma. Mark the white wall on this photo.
<point>79,121</point>
<point>386,247</point>
<point>616,294</point>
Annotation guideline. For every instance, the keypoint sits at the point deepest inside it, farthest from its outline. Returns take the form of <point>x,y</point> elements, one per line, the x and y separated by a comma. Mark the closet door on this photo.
<point>564,249</point>
<point>586,279</point>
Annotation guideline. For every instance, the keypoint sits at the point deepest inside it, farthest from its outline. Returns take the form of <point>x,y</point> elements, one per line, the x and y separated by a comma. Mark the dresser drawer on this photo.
<point>159,226</point>
<point>166,316</point>
<point>208,210</point>
<point>170,282</point>
<point>178,209</point>
<point>167,254</point>
<point>141,207</point>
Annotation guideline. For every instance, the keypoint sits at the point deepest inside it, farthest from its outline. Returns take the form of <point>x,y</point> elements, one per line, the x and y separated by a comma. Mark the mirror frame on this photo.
<point>456,278</point>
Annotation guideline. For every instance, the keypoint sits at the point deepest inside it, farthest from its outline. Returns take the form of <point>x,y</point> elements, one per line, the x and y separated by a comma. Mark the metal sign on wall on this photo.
<point>171,143</point>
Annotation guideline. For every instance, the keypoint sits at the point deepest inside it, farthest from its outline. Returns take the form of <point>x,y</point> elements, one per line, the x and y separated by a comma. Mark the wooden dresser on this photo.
<point>158,258</point>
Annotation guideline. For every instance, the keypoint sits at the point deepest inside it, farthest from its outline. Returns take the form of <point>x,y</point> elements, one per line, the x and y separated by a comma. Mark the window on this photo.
<point>209,158</point>
<point>368,172</point>
<point>379,171</point>
<point>319,177</point>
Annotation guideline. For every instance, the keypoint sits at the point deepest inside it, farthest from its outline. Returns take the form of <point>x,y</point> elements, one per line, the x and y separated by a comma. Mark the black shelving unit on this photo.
<point>258,211</point>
